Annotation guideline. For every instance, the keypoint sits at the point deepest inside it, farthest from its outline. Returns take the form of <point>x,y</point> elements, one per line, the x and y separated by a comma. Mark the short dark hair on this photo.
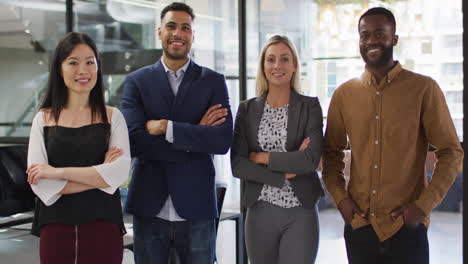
<point>380,11</point>
<point>178,6</point>
<point>56,96</point>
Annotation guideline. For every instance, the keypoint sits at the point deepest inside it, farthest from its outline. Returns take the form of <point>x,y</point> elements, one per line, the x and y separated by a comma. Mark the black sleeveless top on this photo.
<point>78,147</point>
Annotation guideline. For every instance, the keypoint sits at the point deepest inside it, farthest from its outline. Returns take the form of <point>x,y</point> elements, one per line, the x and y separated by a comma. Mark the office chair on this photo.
<point>16,195</point>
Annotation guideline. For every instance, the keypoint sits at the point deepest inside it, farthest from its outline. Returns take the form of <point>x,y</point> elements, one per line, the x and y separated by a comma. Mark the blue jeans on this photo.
<point>407,246</point>
<point>194,242</point>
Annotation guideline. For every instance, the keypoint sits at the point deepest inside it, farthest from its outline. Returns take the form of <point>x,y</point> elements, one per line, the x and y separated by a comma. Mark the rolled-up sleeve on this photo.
<point>48,190</point>
<point>116,173</point>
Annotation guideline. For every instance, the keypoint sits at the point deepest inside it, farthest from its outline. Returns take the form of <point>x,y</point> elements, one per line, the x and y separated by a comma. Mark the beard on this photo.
<point>175,56</point>
<point>382,60</point>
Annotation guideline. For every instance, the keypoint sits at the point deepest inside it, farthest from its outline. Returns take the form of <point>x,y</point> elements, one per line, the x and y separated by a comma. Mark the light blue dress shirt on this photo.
<point>168,212</point>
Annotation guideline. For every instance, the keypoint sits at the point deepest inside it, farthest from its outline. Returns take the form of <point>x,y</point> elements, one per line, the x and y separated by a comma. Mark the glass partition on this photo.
<point>29,31</point>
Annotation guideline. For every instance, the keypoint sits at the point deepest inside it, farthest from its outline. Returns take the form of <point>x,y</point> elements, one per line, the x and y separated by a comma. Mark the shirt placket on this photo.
<point>377,144</point>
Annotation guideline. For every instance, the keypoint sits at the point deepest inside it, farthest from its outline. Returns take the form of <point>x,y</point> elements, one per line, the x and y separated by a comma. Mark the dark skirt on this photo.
<point>95,242</point>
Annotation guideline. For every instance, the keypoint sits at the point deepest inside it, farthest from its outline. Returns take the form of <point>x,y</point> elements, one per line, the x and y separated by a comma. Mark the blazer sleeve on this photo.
<point>241,166</point>
<point>142,144</point>
<point>207,139</point>
<point>48,190</point>
<point>301,162</point>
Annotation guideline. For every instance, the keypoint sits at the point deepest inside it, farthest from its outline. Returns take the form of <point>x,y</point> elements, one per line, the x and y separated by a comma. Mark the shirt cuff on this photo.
<point>169,132</point>
<point>114,174</point>
<point>48,190</point>
<point>339,195</point>
<point>425,205</point>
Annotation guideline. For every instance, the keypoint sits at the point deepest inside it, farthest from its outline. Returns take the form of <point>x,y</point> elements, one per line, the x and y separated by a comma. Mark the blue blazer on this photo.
<point>184,169</point>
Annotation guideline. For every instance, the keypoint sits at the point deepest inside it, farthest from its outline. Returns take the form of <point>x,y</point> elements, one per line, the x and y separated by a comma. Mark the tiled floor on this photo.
<point>445,239</point>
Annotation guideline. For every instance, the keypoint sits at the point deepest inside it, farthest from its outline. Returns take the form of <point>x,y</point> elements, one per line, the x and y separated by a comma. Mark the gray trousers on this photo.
<point>281,235</point>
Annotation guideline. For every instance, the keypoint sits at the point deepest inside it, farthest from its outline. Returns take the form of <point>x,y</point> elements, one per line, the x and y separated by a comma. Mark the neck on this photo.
<point>77,102</point>
<point>380,72</point>
<point>174,64</point>
<point>278,96</point>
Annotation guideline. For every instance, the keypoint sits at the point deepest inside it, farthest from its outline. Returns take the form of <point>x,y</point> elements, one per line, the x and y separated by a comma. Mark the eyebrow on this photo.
<point>284,54</point>
<point>377,29</point>
<point>75,58</point>
<point>174,23</point>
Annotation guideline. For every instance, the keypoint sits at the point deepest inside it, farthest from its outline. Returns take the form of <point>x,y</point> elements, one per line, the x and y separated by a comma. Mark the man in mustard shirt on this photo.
<point>389,116</point>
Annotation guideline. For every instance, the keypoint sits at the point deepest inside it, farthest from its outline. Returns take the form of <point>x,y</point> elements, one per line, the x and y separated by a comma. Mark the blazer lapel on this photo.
<point>189,76</point>
<point>258,107</point>
<point>162,83</point>
<point>294,112</point>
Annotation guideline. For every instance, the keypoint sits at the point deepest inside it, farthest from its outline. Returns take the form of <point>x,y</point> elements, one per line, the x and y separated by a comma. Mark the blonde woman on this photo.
<point>276,150</point>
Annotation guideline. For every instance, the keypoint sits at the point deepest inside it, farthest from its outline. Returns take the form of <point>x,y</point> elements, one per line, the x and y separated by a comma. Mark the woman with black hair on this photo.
<point>78,157</point>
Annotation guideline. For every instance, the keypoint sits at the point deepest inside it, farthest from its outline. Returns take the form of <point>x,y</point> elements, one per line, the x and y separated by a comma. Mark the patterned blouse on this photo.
<point>271,137</point>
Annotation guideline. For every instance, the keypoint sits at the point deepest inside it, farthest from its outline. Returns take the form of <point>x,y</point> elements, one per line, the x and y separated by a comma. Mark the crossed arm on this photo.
<point>214,116</point>
<point>274,168</point>
<point>212,134</point>
<point>49,183</point>
<point>264,157</point>
<point>79,178</point>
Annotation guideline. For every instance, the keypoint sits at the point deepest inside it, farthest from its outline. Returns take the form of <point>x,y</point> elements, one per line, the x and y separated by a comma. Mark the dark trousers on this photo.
<point>407,246</point>
<point>91,243</point>
<point>155,238</point>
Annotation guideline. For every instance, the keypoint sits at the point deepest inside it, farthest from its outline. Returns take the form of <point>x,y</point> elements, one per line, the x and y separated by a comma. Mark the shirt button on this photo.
<point>372,214</point>
<point>376,166</point>
<point>376,142</point>
<point>377,117</point>
<point>374,192</point>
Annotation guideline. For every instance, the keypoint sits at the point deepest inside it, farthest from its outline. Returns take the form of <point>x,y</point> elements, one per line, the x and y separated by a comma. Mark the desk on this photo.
<point>241,255</point>
<point>16,219</point>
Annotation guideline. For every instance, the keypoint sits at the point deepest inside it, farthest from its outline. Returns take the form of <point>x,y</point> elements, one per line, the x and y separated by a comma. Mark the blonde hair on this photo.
<point>261,81</point>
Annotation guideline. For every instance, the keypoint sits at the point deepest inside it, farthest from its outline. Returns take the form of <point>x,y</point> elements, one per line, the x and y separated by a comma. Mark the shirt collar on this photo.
<point>182,69</point>
<point>391,75</point>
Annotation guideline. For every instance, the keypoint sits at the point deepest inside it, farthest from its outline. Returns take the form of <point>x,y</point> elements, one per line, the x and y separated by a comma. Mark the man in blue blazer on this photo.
<point>178,116</point>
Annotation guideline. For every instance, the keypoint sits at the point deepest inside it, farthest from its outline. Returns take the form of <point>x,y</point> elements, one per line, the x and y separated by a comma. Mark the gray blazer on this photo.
<point>304,120</point>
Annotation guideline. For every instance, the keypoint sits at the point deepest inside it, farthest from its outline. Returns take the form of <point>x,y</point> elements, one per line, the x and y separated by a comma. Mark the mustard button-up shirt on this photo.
<point>389,126</point>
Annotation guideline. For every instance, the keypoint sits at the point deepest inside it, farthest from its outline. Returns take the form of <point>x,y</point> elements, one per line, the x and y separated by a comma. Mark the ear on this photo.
<point>395,40</point>
<point>159,33</point>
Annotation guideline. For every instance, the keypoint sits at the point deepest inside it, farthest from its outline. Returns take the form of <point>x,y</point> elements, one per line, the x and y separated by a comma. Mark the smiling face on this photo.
<point>176,34</point>
<point>79,70</point>
<point>376,40</point>
<point>279,65</point>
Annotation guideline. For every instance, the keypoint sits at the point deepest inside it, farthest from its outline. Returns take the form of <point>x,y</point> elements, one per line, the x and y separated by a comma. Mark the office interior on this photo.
<point>228,37</point>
